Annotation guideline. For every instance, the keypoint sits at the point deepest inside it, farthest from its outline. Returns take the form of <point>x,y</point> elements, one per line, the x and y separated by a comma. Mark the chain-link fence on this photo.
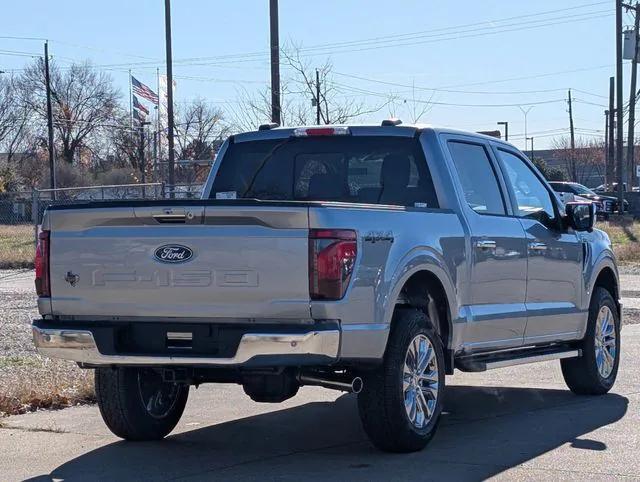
<point>184,191</point>
<point>21,214</point>
<point>16,230</point>
<point>78,195</point>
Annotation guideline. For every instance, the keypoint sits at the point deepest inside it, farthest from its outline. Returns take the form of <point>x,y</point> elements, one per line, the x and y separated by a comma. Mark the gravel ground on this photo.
<point>27,380</point>
<point>17,309</point>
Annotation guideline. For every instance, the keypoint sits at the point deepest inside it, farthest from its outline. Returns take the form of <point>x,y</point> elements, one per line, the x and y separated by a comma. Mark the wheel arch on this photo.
<point>607,278</point>
<point>429,289</point>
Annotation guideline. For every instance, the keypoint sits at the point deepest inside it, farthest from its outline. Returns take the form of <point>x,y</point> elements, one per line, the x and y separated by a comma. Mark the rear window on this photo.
<point>360,169</point>
<point>559,187</point>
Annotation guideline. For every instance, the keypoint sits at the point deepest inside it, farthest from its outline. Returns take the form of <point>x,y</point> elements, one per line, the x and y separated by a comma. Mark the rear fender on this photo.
<point>422,259</point>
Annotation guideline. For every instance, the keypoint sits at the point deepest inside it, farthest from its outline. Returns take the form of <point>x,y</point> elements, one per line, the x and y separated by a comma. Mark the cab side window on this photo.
<point>532,197</point>
<point>478,179</point>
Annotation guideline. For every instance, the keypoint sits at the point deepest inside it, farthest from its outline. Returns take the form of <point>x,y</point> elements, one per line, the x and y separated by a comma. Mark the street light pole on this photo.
<point>525,112</point>
<point>506,129</point>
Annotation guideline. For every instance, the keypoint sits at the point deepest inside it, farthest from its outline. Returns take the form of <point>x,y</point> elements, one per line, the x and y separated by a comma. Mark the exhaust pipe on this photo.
<point>334,382</point>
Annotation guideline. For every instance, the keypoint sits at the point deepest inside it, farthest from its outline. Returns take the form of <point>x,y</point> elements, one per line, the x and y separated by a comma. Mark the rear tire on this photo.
<point>136,404</point>
<point>594,373</point>
<point>387,390</point>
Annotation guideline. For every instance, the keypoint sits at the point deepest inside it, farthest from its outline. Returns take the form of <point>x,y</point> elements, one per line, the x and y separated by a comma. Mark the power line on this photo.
<point>374,43</point>
<point>439,89</point>
<point>430,31</point>
<point>451,104</point>
<point>535,76</point>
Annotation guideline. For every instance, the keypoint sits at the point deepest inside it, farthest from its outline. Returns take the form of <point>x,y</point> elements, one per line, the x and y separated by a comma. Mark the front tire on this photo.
<point>137,404</point>
<point>594,373</point>
<point>401,401</point>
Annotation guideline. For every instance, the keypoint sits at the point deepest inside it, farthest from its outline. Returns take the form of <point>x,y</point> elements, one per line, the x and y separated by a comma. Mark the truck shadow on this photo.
<point>484,431</point>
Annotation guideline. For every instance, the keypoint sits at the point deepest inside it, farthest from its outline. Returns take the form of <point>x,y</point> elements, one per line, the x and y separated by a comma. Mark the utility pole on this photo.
<point>531,151</point>
<point>275,62</point>
<point>612,127</point>
<point>620,113</point>
<point>572,130</point>
<point>318,108</point>
<point>170,125</point>
<point>52,163</point>
<point>632,102</point>
<point>606,144</point>
<point>506,129</point>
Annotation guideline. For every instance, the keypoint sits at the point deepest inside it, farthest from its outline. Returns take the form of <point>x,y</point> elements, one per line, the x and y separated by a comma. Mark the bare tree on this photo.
<point>338,104</point>
<point>121,148</point>
<point>84,101</point>
<point>335,106</point>
<point>200,129</point>
<point>583,162</point>
<point>252,109</point>
<point>14,121</point>
<point>414,107</point>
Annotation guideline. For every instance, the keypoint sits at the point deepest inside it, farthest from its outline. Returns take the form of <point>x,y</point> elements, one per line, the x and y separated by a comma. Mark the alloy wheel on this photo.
<point>420,381</point>
<point>158,396</point>
<point>605,342</point>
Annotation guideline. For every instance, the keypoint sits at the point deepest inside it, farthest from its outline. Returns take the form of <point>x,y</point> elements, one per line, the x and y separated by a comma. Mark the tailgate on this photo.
<point>180,262</point>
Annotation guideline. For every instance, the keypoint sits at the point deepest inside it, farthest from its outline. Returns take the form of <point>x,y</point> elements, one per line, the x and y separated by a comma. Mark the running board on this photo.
<point>489,361</point>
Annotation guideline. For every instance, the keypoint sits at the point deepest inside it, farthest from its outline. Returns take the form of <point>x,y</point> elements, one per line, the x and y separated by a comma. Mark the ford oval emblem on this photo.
<point>173,253</point>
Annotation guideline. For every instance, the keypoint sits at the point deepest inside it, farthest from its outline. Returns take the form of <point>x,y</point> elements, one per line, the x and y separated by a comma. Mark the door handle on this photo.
<point>485,244</point>
<point>536,246</point>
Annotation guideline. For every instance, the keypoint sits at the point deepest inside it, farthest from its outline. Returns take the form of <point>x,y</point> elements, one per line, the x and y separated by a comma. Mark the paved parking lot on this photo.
<point>515,423</point>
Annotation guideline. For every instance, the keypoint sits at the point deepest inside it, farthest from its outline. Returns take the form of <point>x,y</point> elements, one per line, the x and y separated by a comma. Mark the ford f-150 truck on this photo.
<point>370,259</point>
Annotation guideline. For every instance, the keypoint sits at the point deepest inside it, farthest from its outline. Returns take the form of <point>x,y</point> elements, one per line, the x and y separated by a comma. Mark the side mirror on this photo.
<point>581,216</point>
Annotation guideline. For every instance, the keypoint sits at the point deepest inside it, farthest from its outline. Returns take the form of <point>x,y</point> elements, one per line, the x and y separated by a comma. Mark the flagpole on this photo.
<point>130,102</point>
<point>158,143</point>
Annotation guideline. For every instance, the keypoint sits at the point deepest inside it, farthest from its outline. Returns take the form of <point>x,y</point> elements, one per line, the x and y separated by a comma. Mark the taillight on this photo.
<point>43,287</point>
<point>332,255</point>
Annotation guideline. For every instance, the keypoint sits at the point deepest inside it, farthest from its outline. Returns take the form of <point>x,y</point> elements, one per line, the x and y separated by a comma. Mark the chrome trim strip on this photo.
<point>533,359</point>
<point>80,346</point>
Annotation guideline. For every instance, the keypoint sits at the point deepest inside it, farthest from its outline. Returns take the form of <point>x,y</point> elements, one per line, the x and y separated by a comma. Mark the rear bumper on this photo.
<point>318,345</point>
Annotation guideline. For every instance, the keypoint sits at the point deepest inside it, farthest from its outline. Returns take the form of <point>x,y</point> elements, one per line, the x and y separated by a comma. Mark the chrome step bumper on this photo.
<point>80,346</point>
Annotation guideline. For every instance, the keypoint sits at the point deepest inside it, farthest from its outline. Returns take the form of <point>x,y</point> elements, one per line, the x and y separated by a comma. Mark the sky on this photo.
<point>474,63</point>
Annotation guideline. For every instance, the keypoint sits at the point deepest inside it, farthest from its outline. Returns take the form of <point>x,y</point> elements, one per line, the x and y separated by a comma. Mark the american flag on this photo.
<point>139,116</point>
<point>139,106</point>
<point>143,91</point>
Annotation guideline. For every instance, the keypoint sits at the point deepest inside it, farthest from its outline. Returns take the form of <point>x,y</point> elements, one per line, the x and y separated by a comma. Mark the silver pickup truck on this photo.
<point>370,259</point>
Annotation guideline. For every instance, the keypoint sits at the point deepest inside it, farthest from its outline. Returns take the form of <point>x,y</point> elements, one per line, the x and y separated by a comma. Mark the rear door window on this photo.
<point>352,169</point>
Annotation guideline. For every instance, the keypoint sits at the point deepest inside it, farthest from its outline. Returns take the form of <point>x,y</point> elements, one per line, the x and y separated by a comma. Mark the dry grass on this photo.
<point>28,383</point>
<point>16,246</point>
<point>625,236</point>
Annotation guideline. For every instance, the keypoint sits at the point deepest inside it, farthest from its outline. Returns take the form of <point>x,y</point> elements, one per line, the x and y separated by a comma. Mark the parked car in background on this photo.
<point>602,188</point>
<point>572,191</point>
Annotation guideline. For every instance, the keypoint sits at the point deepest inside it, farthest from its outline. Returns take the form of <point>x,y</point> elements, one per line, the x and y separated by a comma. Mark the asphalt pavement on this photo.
<point>511,423</point>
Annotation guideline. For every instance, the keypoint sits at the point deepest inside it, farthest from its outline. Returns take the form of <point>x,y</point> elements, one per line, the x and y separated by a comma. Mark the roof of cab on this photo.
<point>401,130</point>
